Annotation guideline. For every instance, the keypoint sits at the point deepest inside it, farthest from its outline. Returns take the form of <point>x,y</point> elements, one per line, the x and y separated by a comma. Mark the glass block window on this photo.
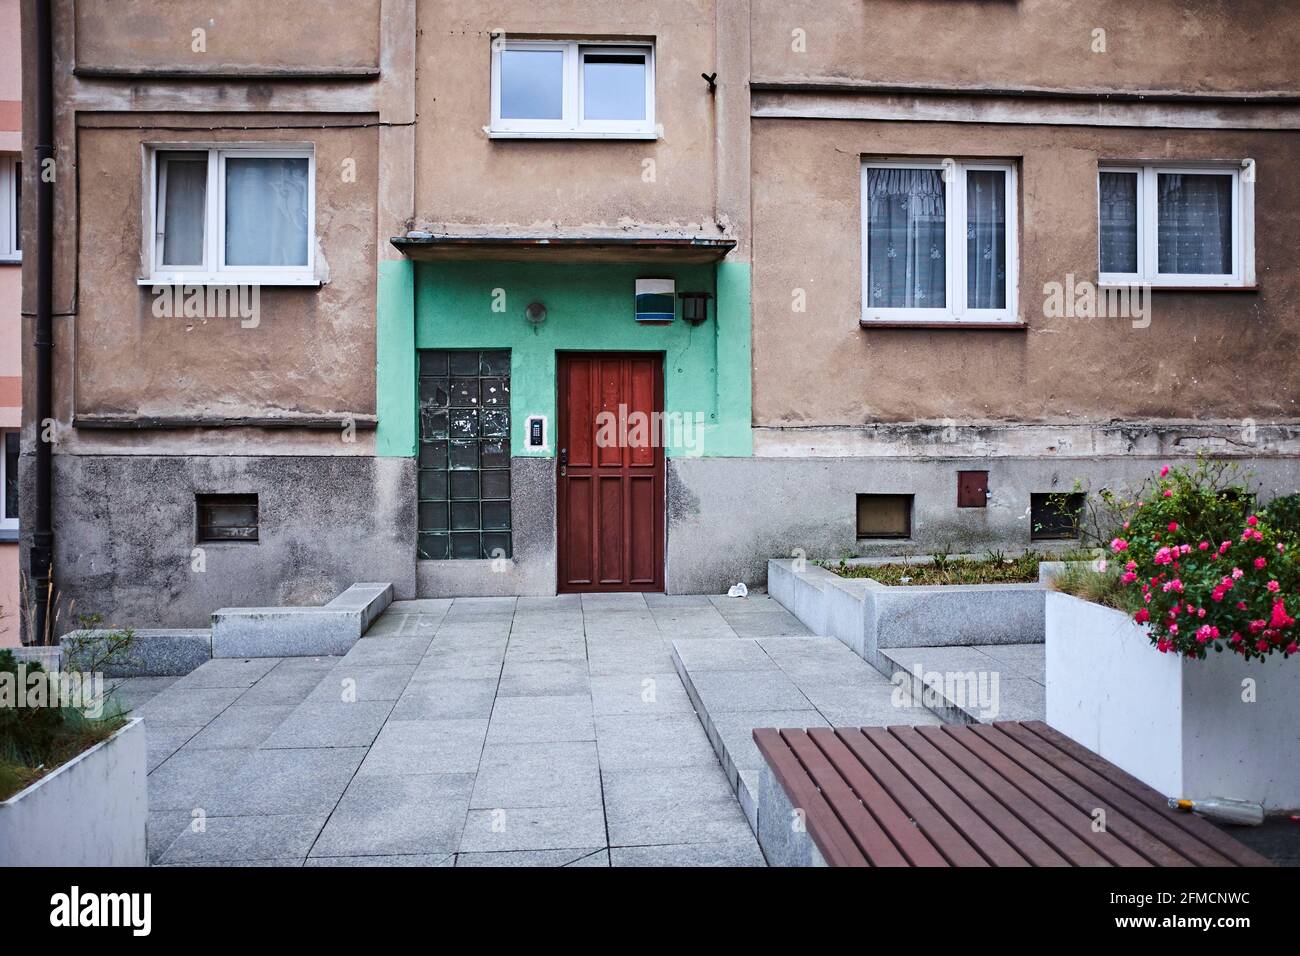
<point>464,458</point>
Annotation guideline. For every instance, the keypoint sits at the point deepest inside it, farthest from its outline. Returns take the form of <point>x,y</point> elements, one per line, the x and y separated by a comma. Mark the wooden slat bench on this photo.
<point>1001,794</point>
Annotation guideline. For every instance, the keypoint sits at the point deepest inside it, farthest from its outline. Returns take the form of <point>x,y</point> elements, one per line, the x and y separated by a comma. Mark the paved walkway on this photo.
<point>495,731</point>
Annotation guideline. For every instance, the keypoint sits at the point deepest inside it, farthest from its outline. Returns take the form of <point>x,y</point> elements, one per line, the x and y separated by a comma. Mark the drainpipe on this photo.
<point>41,556</point>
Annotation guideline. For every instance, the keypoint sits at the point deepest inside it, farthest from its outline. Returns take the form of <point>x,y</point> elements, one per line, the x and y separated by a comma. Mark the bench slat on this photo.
<point>867,833</point>
<point>1033,816</point>
<point>1034,848</point>
<point>833,840</point>
<point>1204,831</point>
<point>938,811</point>
<point>1076,821</point>
<point>897,825</point>
<point>1125,817</point>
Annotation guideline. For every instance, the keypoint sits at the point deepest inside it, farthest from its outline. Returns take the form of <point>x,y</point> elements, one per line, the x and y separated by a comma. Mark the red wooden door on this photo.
<point>610,486</point>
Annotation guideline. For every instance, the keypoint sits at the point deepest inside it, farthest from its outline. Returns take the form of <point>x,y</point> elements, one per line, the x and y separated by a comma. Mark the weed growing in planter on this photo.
<point>1204,571</point>
<point>37,733</point>
<point>995,568</point>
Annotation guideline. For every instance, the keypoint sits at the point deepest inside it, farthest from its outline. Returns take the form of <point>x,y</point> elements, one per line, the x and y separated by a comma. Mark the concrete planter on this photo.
<point>89,812</point>
<point>1180,726</point>
<point>867,615</point>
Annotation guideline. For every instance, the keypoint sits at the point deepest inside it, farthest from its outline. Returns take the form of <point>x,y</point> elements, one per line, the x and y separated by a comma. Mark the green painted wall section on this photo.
<point>395,372</point>
<point>480,305</point>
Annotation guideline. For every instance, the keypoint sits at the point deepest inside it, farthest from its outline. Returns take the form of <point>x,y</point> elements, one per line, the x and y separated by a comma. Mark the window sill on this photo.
<point>950,324</point>
<point>8,535</point>
<point>1156,287</point>
<point>230,279</point>
<point>570,134</point>
<point>11,260</point>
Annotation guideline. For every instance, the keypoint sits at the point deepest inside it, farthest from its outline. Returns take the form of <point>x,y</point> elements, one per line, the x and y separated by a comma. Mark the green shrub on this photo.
<point>1283,515</point>
<point>36,739</point>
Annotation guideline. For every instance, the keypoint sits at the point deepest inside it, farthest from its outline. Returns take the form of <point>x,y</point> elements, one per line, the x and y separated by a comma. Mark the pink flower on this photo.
<point>1260,563</point>
<point>1204,546</point>
<point>1128,577</point>
<point>1291,649</point>
<point>1280,617</point>
<point>1142,615</point>
<point>1131,566</point>
<point>1164,472</point>
<point>1261,645</point>
<point>1119,544</point>
<point>1168,493</point>
<point>1274,586</point>
<point>1252,521</point>
<point>1237,574</point>
<point>1173,526</point>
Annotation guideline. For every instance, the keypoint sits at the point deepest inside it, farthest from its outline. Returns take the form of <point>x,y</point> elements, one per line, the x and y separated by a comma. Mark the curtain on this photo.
<point>266,212</point>
<point>184,185</point>
<point>1194,228</point>
<point>906,247</point>
<point>986,239</point>
<point>1118,212</point>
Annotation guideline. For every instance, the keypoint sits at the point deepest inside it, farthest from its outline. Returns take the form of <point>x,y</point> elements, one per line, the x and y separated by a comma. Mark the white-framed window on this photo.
<point>1176,225</point>
<point>8,480</point>
<point>938,241</point>
<point>232,214</point>
<point>11,197</point>
<point>573,89</point>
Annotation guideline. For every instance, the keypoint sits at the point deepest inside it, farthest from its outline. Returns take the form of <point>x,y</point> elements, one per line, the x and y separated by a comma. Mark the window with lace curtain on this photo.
<point>1168,225</point>
<point>939,242</point>
<point>234,214</point>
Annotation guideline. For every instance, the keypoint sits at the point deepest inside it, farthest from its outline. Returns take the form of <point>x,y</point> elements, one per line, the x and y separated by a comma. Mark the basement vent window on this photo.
<point>884,516</point>
<point>226,518</point>
<point>1055,516</point>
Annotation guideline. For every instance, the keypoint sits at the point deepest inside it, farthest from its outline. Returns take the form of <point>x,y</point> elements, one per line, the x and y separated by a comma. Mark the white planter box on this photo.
<point>1180,726</point>
<point>89,812</point>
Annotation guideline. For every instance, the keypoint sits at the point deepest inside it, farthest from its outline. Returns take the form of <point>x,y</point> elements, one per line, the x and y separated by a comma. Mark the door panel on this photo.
<point>610,490</point>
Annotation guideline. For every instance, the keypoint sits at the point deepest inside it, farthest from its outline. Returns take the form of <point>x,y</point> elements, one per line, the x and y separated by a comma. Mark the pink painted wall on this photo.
<point>10,299</point>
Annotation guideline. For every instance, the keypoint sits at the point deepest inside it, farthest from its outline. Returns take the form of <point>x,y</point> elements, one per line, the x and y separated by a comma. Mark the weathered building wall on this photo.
<point>142,37</point>
<point>466,178</point>
<point>312,350</point>
<point>1206,354</point>
<point>1171,45</point>
<point>125,543</point>
<point>10,312</point>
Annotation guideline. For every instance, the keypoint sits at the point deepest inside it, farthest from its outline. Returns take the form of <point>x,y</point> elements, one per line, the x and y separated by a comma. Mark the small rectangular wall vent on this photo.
<point>1055,516</point>
<point>226,518</point>
<point>884,516</point>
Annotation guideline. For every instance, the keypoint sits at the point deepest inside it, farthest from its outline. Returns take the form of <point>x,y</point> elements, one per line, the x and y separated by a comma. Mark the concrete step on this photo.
<point>299,631</point>
<point>974,684</point>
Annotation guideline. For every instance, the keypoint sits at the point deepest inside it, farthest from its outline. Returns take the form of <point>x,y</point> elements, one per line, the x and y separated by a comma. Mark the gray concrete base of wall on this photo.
<point>299,631</point>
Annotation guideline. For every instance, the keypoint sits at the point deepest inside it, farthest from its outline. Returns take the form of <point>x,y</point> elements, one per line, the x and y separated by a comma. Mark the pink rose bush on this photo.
<point>1207,573</point>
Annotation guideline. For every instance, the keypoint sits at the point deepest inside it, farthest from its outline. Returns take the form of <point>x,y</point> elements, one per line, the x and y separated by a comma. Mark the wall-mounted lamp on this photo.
<point>695,306</point>
<point>535,314</point>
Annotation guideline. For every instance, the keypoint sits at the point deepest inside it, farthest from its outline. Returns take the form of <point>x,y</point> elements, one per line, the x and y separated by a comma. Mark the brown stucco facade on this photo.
<point>1205,354</point>
<point>764,114</point>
